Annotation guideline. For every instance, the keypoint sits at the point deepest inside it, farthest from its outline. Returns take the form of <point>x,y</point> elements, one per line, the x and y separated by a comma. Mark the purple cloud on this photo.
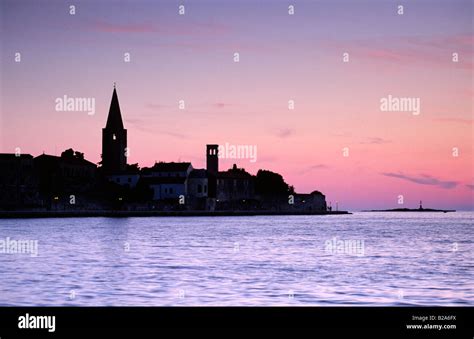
<point>155,106</point>
<point>147,127</point>
<point>221,104</point>
<point>284,133</point>
<point>107,27</point>
<point>375,141</point>
<point>423,179</point>
<point>434,50</point>
<point>166,28</point>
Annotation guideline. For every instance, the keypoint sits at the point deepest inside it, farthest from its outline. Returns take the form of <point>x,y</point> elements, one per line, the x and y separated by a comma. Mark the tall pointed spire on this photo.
<point>114,120</point>
<point>114,139</point>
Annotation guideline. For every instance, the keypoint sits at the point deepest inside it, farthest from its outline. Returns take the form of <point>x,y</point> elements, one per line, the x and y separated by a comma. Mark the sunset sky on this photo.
<point>282,57</point>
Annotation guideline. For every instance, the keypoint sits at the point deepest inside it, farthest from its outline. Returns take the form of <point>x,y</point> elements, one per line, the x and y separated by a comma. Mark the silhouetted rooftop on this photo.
<point>66,160</point>
<point>170,167</point>
<point>5,156</point>
<point>162,180</point>
<point>198,173</point>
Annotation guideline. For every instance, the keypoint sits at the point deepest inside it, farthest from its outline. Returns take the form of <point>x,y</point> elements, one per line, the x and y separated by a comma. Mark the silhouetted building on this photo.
<point>128,178</point>
<point>54,182</point>
<point>315,201</point>
<point>235,184</point>
<point>166,187</point>
<point>168,180</point>
<point>168,169</point>
<point>64,175</point>
<point>198,183</point>
<point>114,140</point>
<point>18,185</point>
<point>212,160</point>
<point>212,166</point>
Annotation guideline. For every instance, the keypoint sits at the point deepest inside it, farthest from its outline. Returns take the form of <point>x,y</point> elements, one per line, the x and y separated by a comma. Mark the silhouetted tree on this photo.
<point>270,183</point>
<point>71,154</point>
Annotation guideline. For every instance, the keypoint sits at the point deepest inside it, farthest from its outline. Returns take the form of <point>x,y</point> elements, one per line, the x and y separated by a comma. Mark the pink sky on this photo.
<point>191,58</point>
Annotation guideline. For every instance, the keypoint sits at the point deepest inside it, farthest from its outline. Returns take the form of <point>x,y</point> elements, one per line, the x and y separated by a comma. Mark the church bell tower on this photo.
<point>114,139</point>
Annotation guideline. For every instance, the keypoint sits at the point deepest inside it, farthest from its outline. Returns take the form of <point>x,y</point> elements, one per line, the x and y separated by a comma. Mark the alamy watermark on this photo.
<point>348,246</point>
<point>28,321</point>
<point>400,104</point>
<point>229,151</point>
<point>26,246</point>
<point>71,104</point>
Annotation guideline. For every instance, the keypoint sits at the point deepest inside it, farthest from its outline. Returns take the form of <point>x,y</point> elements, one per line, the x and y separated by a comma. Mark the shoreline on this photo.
<point>411,210</point>
<point>127,214</point>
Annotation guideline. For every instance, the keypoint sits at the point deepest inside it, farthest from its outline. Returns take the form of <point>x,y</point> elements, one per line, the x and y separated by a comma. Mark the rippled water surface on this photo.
<point>404,259</point>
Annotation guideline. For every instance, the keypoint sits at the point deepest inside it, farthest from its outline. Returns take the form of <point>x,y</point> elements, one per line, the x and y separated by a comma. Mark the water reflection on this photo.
<point>408,259</point>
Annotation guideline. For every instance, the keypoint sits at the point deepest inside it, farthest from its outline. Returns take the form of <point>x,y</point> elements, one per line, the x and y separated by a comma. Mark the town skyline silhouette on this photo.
<point>71,182</point>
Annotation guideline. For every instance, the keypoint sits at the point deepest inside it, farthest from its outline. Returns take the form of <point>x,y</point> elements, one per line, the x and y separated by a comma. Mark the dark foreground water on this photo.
<point>359,259</point>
